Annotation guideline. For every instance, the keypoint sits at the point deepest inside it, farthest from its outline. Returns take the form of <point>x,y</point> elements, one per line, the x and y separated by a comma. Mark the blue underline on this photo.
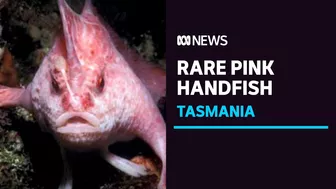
<point>251,127</point>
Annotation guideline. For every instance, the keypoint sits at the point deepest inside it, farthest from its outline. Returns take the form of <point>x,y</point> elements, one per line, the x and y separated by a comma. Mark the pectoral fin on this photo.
<point>123,164</point>
<point>10,97</point>
<point>151,128</point>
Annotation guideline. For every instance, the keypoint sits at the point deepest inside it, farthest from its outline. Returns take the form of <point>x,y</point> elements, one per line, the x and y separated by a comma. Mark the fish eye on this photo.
<point>101,84</point>
<point>55,85</point>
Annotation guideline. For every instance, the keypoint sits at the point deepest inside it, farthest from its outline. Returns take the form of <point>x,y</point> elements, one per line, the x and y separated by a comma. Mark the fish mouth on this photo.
<point>77,122</point>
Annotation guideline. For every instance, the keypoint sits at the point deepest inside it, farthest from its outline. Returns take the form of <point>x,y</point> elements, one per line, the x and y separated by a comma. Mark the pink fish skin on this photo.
<point>92,91</point>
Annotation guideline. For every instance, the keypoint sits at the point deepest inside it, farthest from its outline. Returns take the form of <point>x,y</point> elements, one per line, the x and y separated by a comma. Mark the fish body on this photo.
<point>92,91</point>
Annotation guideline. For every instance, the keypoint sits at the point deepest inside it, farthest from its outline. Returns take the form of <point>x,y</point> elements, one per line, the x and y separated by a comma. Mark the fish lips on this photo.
<point>77,122</point>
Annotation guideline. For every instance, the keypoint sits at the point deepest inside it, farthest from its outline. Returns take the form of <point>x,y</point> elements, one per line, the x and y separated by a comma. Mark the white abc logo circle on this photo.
<point>183,40</point>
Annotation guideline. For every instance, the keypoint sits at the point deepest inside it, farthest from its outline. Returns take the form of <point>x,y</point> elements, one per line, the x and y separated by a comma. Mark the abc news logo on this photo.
<point>202,40</point>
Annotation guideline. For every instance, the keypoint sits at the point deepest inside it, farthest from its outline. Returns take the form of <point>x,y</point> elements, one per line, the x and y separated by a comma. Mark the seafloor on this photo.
<point>29,158</point>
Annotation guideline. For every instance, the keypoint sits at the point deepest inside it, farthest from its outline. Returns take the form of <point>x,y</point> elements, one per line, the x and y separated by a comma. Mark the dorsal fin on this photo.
<point>70,20</point>
<point>87,41</point>
<point>88,8</point>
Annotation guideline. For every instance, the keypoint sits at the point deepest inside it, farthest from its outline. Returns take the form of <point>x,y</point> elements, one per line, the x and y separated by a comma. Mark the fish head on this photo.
<point>74,89</point>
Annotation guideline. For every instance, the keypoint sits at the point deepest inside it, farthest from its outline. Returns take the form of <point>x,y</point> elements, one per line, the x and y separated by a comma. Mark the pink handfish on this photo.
<point>92,91</point>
